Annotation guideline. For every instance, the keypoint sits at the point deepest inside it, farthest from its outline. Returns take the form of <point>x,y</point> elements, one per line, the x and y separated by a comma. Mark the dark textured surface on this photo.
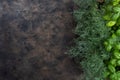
<point>34,35</point>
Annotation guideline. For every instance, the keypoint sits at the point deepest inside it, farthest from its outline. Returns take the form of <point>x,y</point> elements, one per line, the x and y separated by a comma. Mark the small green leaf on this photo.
<point>113,36</point>
<point>116,9</point>
<point>118,32</point>
<point>106,17</point>
<point>118,63</point>
<point>113,76</point>
<point>109,47</point>
<point>111,23</point>
<point>105,43</point>
<point>111,68</point>
<point>115,16</point>
<point>106,74</point>
<point>118,74</point>
<point>112,40</point>
<point>117,46</point>
<point>117,54</point>
<point>113,62</point>
<point>115,2</point>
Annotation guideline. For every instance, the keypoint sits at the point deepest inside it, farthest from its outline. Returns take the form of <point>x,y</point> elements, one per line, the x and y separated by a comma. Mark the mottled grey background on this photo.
<point>34,35</point>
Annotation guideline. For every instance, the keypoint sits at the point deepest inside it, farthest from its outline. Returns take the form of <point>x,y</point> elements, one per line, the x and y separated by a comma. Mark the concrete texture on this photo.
<point>34,36</point>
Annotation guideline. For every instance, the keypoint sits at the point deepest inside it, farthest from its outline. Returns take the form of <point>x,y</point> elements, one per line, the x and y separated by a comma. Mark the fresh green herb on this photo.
<point>112,16</point>
<point>89,50</point>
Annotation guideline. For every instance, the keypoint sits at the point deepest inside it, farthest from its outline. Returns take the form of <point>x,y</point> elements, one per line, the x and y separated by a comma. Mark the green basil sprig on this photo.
<point>112,17</point>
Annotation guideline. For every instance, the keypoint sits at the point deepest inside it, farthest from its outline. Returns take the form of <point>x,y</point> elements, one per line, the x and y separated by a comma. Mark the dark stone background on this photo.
<point>34,35</point>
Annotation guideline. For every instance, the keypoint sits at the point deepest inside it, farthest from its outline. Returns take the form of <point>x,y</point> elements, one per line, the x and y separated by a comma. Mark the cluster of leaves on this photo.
<point>112,44</point>
<point>91,30</point>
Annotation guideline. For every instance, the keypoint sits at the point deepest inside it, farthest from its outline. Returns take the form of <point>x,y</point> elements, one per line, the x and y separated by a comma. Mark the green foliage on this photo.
<point>112,44</point>
<point>93,67</point>
<point>92,32</point>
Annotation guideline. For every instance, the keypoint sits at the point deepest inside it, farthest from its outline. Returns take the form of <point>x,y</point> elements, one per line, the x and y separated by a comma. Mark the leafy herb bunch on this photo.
<point>112,44</point>
<point>89,50</point>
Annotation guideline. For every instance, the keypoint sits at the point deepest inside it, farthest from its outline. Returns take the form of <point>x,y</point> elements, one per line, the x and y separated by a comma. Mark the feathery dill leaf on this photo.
<point>91,30</point>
